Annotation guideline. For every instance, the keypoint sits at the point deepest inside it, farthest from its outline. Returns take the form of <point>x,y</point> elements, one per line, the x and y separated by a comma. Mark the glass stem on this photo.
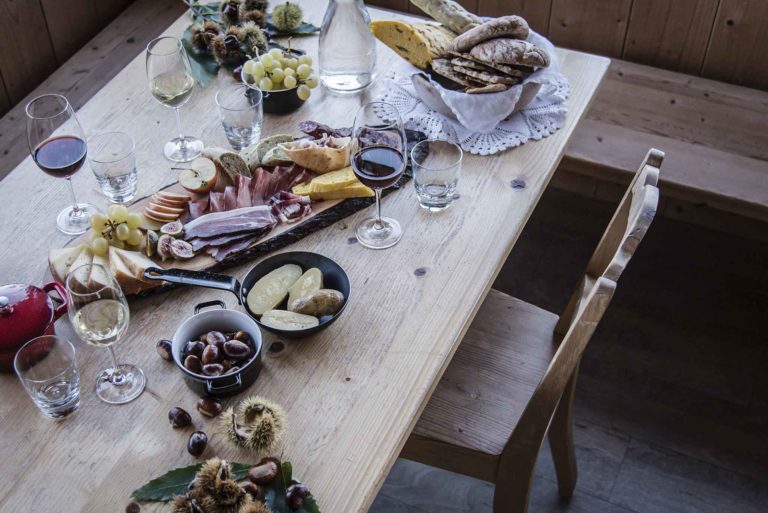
<point>75,209</point>
<point>378,224</point>
<point>182,141</point>
<point>117,378</point>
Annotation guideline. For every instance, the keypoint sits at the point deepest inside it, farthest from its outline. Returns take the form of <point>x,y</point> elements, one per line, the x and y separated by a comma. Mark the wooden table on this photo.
<point>353,392</point>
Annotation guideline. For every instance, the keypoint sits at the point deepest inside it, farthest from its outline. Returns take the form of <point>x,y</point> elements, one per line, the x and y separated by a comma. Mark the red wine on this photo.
<point>62,155</point>
<point>378,167</point>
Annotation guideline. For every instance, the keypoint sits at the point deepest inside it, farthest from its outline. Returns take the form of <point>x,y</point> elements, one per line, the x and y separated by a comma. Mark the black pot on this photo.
<point>220,320</point>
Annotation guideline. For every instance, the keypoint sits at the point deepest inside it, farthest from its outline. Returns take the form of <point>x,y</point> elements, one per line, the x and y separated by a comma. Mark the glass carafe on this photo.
<point>347,47</point>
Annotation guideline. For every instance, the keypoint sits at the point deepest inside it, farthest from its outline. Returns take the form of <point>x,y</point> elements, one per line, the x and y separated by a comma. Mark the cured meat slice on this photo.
<point>289,207</point>
<point>230,198</point>
<point>219,253</point>
<point>243,192</point>
<point>234,221</point>
<point>198,208</point>
<point>216,202</point>
<point>220,240</point>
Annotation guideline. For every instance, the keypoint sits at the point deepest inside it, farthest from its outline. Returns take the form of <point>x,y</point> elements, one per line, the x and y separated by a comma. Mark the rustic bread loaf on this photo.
<point>418,43</point>
<point>478,66</point>
<point>511,52</point>
<point>449,13</point>
<point>513,71</point>
<point>509,26</point>
<point>443,68</point>
<point>487,77</point>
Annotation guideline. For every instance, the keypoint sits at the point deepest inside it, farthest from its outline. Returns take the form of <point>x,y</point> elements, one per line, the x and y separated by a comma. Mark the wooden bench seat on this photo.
<point>714,135</point>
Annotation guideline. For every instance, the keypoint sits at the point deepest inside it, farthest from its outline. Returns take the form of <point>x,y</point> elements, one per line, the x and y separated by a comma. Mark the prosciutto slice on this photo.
<point>290,207</point>
<point>239,220</point>
<point>219,253</point>
<point>207,242</point>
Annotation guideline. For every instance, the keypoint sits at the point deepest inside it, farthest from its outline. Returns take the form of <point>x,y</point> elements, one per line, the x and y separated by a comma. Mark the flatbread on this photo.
<point>444,68</point>
<point>510,51</point>
<point>506,26</point>
<point>491,88</point>
<point>504,68</point>
<point>459,61</point>
<point>488,77</point>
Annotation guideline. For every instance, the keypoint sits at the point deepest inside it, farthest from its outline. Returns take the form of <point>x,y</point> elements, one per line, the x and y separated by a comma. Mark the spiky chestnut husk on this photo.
<point>201,38</point>
<point>216,491</point>
<point>227,49</point>
<point>257,425</point>
<point>185,504</point>
<point>250,5</point>
<point>255,16</point>
<point>255,40</point>
<point>230,10</point>
<point>211,26</point>
<point>287,17</point>
<point>235,31</point>
<point>256,507</point>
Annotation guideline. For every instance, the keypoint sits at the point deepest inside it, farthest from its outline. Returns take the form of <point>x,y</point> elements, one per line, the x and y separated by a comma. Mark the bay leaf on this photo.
<point>176,481</point>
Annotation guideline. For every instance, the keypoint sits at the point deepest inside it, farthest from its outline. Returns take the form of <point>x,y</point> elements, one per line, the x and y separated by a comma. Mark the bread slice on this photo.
<point>418,43</point>
<point>60,260</point>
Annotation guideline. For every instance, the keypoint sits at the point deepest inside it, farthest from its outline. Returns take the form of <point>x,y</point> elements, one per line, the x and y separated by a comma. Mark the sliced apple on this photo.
<point>166,203</point>
<point>150,224</point>
<point>160,217</point>
<point>200,177</point>
<point>166,210</point>
<point>174,197</point>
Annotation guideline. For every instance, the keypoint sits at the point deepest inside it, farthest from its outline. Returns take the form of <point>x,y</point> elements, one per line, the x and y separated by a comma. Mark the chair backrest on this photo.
<point>588,304</point>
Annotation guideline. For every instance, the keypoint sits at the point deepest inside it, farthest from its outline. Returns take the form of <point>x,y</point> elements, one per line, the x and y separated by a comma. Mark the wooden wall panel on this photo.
<point>396,5</point>
<point>26,54</point>
<point>596,26</point>
<point>5,100</point>
<point>470,5</point>
<point>672,35</point>
<point>738,48</point>
<point>536,12</point>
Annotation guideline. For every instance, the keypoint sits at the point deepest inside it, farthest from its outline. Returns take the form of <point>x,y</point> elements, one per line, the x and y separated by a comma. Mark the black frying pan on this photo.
<point>334,277</point>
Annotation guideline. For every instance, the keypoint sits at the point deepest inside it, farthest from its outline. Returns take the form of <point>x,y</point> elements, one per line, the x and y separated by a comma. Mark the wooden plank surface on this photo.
<point>536,12</point>
<point>26,53</point>
<point>5,101</point>
<point>739,40</point>
<point>352,393</point>
<point>597,27</point>
<point>670,35</point>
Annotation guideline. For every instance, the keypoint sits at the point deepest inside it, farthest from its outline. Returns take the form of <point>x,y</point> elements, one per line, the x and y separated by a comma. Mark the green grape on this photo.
<point>118,213</point>
<point>289,72</point>
<point>276,53</point>
<point>303,71</point>
<point>265,84</point>
<point>122,231</point>
<point>100,246</point>
<point>249,68</point>
<point>289,81</point>
<point>134,237</point>
<point>277,75</point>
<point>311,81</point>
<point>283,62</point>
<point>267,60</point>
<point>293,63</point>
<point>258,70</point>
<point>134,220</point>
<point>303,92</point>
<point>98,222</point>
<point>305,59</point>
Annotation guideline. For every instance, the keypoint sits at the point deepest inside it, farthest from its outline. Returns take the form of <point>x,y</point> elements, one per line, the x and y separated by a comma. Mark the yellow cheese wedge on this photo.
<point>418,43</point>
<point>334,180</point>
<point>357,190</point>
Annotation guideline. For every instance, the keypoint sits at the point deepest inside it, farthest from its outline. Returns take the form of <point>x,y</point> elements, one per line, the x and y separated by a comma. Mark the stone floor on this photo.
<point>672,400</point>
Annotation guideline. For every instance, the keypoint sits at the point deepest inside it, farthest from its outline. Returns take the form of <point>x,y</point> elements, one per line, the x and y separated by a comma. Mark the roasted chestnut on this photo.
<point>213,369</point>
<point>209,406</point>
<point>194,348</point>
<point>253,490</point>
<point>236,350</point>
<point>296,495</point>
<point>192,364</point>
<point>197,443</point>
<point>264,472</point>
<point>133,507</point>
<point>214,338</point>
<point>242,336</point>
<point>165,349</point>
<point>179,417</point>
<point>211,354</point>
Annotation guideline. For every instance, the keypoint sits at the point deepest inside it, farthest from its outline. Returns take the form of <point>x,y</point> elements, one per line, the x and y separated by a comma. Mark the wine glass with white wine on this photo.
<point>170,80</point>
<point>99,314</point>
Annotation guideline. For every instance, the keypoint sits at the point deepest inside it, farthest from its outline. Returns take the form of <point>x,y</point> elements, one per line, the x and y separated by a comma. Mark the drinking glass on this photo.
<point>57,144</point>
<point>436,167</point>
<point>99,314</point>
<point>241,114</point>
<point>170,80</point>
<point>114,163</point>
<point>378,160</point>
<point>47,368</point>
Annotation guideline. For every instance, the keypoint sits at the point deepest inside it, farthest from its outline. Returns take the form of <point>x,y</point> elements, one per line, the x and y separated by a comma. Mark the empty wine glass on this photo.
<point>99,314</point>
<point>378,160</point>
<point>170,80</point>
<point>57,144</point>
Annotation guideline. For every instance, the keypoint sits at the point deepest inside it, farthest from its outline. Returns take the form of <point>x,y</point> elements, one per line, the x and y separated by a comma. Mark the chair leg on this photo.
<point>561,440</point>
<point>513,483</point>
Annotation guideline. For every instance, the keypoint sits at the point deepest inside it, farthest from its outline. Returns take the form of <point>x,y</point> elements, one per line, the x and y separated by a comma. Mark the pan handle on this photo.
<point>196,278</point>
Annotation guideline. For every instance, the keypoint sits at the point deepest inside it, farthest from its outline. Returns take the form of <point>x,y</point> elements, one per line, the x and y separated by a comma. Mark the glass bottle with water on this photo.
<point>347,47</point>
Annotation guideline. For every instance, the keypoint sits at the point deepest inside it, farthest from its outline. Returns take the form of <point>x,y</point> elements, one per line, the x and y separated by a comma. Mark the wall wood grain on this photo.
<point>593,26</point>
<point>536,12</point>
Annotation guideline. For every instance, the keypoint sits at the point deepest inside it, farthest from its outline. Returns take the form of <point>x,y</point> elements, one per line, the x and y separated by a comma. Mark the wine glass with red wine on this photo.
<point>378,160</point>
<point>57,144</point>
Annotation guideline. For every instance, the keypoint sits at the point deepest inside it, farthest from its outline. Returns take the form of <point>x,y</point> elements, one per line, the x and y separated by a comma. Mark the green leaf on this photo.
<point>274,495</point>
<point>304,29</point>
<point>176,481</point>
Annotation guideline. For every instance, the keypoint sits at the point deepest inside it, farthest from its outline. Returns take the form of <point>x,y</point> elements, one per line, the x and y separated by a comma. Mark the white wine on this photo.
<point>172,89</point>
<point>102,322</point>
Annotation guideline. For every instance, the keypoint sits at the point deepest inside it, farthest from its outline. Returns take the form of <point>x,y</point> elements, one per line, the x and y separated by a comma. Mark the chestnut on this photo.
<point>211,354</point>
<point>194,348</point>
<point>197,443</point>
<point>264,472</point>
<point>226,365</point>
<point>233,369</point>
<point>242,336</point>
<point>192,364</point>
<point>236,350</point>
<point>165,349</point>
<point>209,406</point>
<point>179,417</point>
<point>214,338</point>
<point>253,490</point>
<point>133,507</point>
<point>296,495</point>
<point>213,369</point>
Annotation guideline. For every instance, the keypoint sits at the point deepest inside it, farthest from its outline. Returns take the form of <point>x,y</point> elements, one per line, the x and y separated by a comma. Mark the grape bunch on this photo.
<point>278,70</point>
<point>118,228</point>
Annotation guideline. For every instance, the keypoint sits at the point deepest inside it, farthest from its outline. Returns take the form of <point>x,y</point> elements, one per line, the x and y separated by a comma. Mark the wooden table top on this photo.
<point>352,392</point>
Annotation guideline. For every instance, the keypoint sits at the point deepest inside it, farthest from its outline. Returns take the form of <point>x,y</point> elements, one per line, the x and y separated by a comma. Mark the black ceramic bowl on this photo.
<point>281,101</point>
<point>334,277</point>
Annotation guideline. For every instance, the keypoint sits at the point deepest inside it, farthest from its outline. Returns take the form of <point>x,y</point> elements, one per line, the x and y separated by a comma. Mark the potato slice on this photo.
<point>272,288</point>
<point>318,303</point>
<point>284,320</point>
<point>309,282</point>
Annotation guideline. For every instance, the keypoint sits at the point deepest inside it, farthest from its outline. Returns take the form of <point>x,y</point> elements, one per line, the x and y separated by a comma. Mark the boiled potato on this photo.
<point>272,288</point>
<point>320,302</point>
<point>284,320</point>
<point>309,282</point>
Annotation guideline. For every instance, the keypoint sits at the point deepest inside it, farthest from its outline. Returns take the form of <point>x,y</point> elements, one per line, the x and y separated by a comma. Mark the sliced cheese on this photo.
<point>357,190</point>
<point>100,276</point>
<point>60,260</point>
<point>334,180</point>
<point>137,263</point>
<point>418,43</point>
<point>80,275</point>
<point>122,273</point>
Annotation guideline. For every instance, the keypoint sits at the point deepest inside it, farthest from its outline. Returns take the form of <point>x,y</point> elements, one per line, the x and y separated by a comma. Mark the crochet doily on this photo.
<point>542,117</point>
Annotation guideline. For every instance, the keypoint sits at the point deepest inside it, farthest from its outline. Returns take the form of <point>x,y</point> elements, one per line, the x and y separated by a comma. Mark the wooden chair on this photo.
<point>513,377</point>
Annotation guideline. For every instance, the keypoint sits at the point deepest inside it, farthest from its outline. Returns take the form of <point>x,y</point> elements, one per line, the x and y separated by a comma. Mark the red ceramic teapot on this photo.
<point>26,312</point>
